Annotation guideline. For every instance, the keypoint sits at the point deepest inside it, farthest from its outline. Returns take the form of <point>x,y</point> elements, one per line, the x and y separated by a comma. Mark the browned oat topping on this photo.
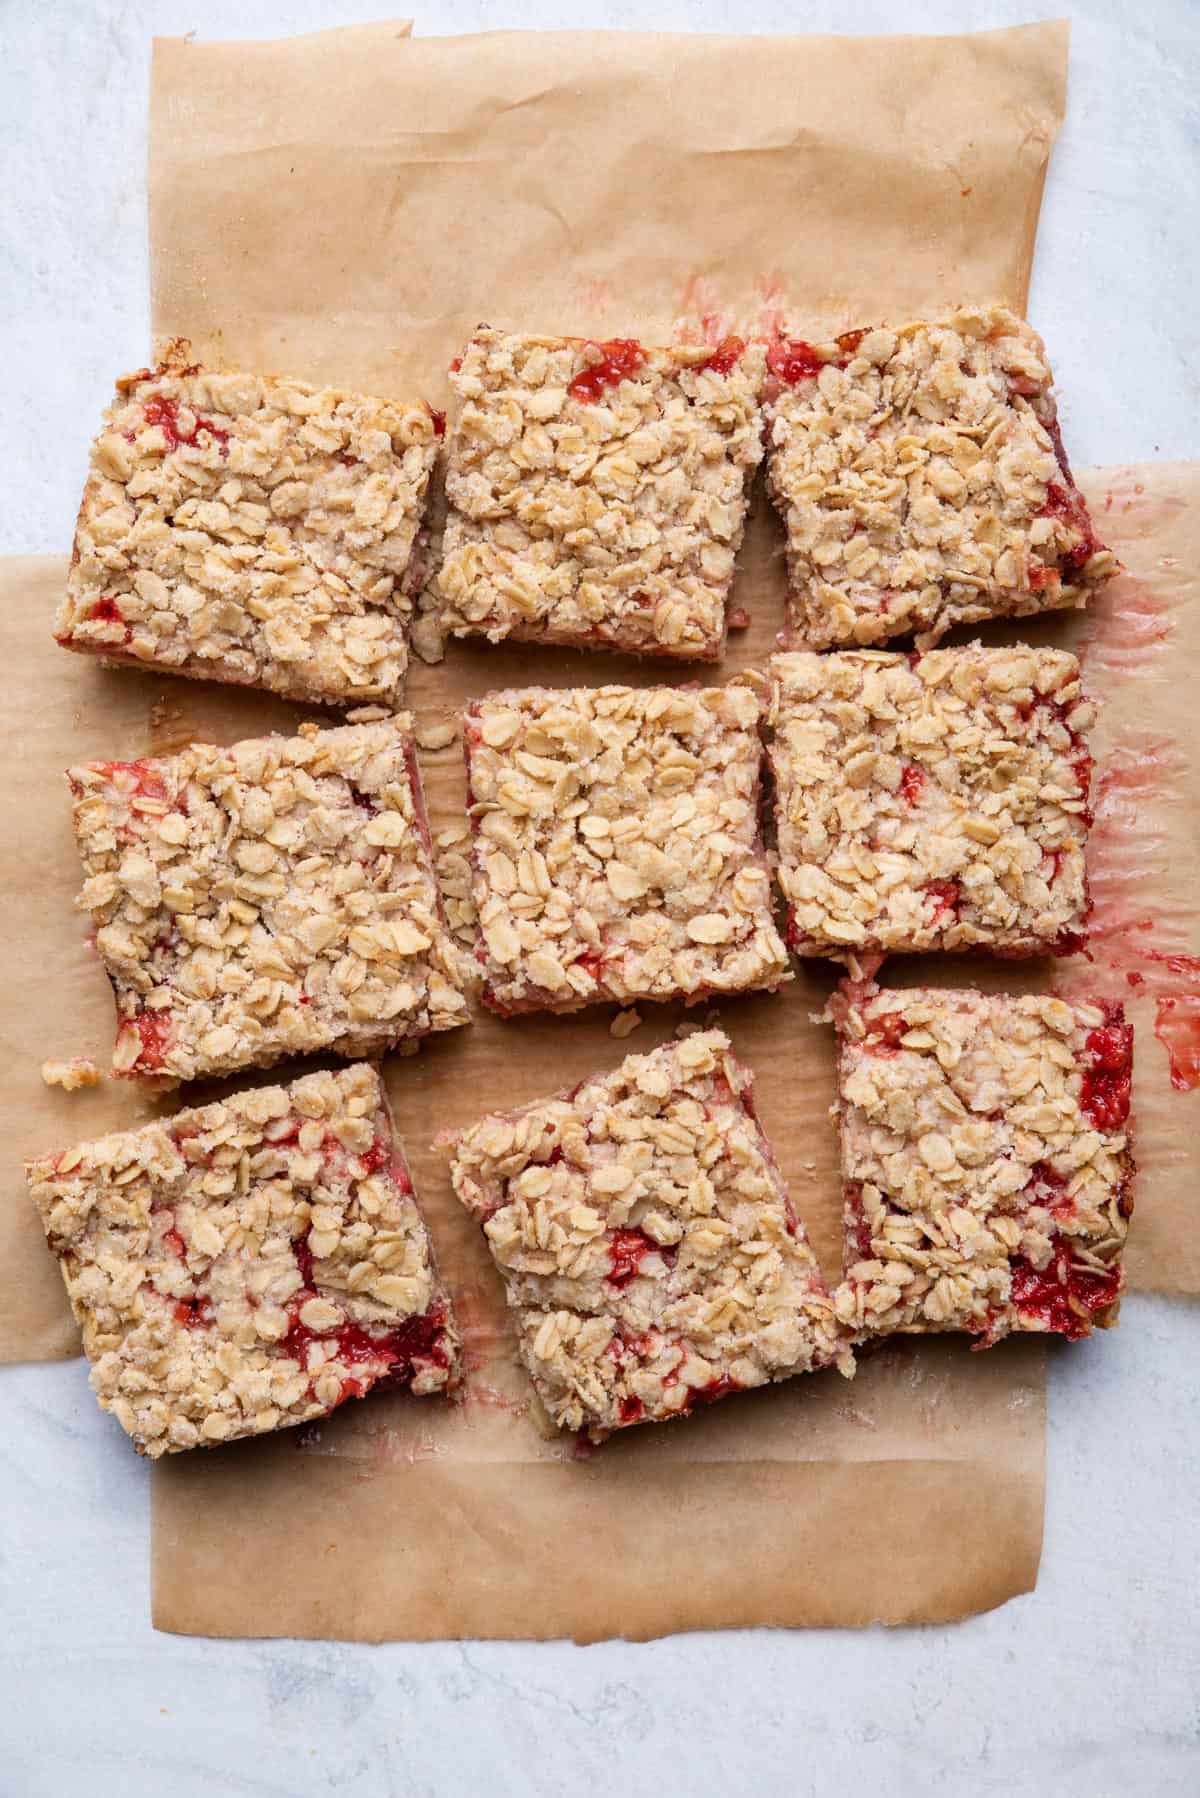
<point>987,1161</point>
<point>922,481</point>
<point>616,846</point>
<point>243,528</point>
<point>598,491</point>
<point>941,804</point>
<point>249,1265</point>
<point>275,898</point>
<point>646,1240</point>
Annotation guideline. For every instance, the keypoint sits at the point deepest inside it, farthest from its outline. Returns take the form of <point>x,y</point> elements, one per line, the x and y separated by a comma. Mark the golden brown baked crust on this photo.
<point>932,803</point>
<point>249,1265</point>
<point>616,850</point>
<point>597,491</point>
<point>987,1161</point>
<point>274,898</point>
<point>922,481</point>
<point>239,527</point>
<point>648,1247</point>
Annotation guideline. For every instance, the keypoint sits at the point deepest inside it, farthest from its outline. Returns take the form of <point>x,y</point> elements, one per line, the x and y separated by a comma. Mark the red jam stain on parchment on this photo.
<point>771,304</point>
<point>485,1336</point>
<point>1133,943</point>
<point>701,319</point>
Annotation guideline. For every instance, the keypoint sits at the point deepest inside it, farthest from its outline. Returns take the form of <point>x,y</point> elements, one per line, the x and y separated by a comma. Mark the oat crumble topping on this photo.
<point>616,851</point>
<point>271,899</point>
<point>649,1250</point>
<point>987,1161</point>
<point>239,527</point>
<point>249,1265</point>
<point>935,803</point>
<point>922,481</point>
<point>598,491</point>
<point>71,1075</point>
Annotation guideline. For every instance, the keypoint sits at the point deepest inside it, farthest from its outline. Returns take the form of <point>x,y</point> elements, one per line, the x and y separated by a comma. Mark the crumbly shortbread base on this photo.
<point>249,1265</point>
<point>987,1162</point>
<point>241,528</point>
<point>274,898</point>
<point>615,846</point>
<point>593,512</point>
<point>922,481</point>
<point>940,803</point>
<point>650,1254</point>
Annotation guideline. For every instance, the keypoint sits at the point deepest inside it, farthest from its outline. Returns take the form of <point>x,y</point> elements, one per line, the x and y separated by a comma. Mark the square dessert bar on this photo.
<point>241,528</point>
<point>249,1265</point>
<point>597,491</point>
<point>275,898</point>
<point>615,846</point>
<point>933,803</point>
<point>987,1162</point>
<point>922,481</point>
<point>646,1241</point>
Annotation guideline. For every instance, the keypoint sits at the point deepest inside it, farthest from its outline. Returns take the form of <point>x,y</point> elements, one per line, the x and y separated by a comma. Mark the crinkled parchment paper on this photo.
<point>348,207</point>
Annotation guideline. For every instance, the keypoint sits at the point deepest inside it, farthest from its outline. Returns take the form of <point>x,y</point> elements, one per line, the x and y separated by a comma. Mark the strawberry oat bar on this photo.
<point>275,898</point>
<point>248,1265</point>
<point>933,803</point>
<point>615,846</point>
<point>987,1162</point>
<point>648,1247</point>
<point>598,491</point>
<point>237,527</point>
<point>922,481</point>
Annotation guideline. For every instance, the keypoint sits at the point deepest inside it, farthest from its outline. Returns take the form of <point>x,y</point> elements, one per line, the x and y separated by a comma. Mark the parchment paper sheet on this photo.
<point>424,196</point>
<point>349,206</point>
<point>606,184</point>
<point>912,1495</point>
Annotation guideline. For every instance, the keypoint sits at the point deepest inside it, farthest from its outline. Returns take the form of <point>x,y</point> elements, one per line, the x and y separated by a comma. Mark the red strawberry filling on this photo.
<point>620,358</point>
<point>947,898</point>
<point>162,410</point>
<point>626,1251</point>
<point>1063,1295</point>
<point>154,1029</point>
<point>911,782</point>
<point>726,356</point>
<point>884,1033</point>
<point>1108,1075</point>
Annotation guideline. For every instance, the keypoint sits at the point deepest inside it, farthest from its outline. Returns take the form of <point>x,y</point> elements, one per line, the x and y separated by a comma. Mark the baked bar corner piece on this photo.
<point>932,803</point>
<point>616,852</point>
<point>249,1265</point>
<point>987,1161</point>
<point>598,491</point>
<point>246,528</point>
<point>271,899</point>
<point>650,1254</point>
<point>922,481</point>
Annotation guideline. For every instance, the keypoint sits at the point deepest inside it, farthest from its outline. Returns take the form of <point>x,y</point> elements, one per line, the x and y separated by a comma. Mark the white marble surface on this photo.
<point>1089,1686</point>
